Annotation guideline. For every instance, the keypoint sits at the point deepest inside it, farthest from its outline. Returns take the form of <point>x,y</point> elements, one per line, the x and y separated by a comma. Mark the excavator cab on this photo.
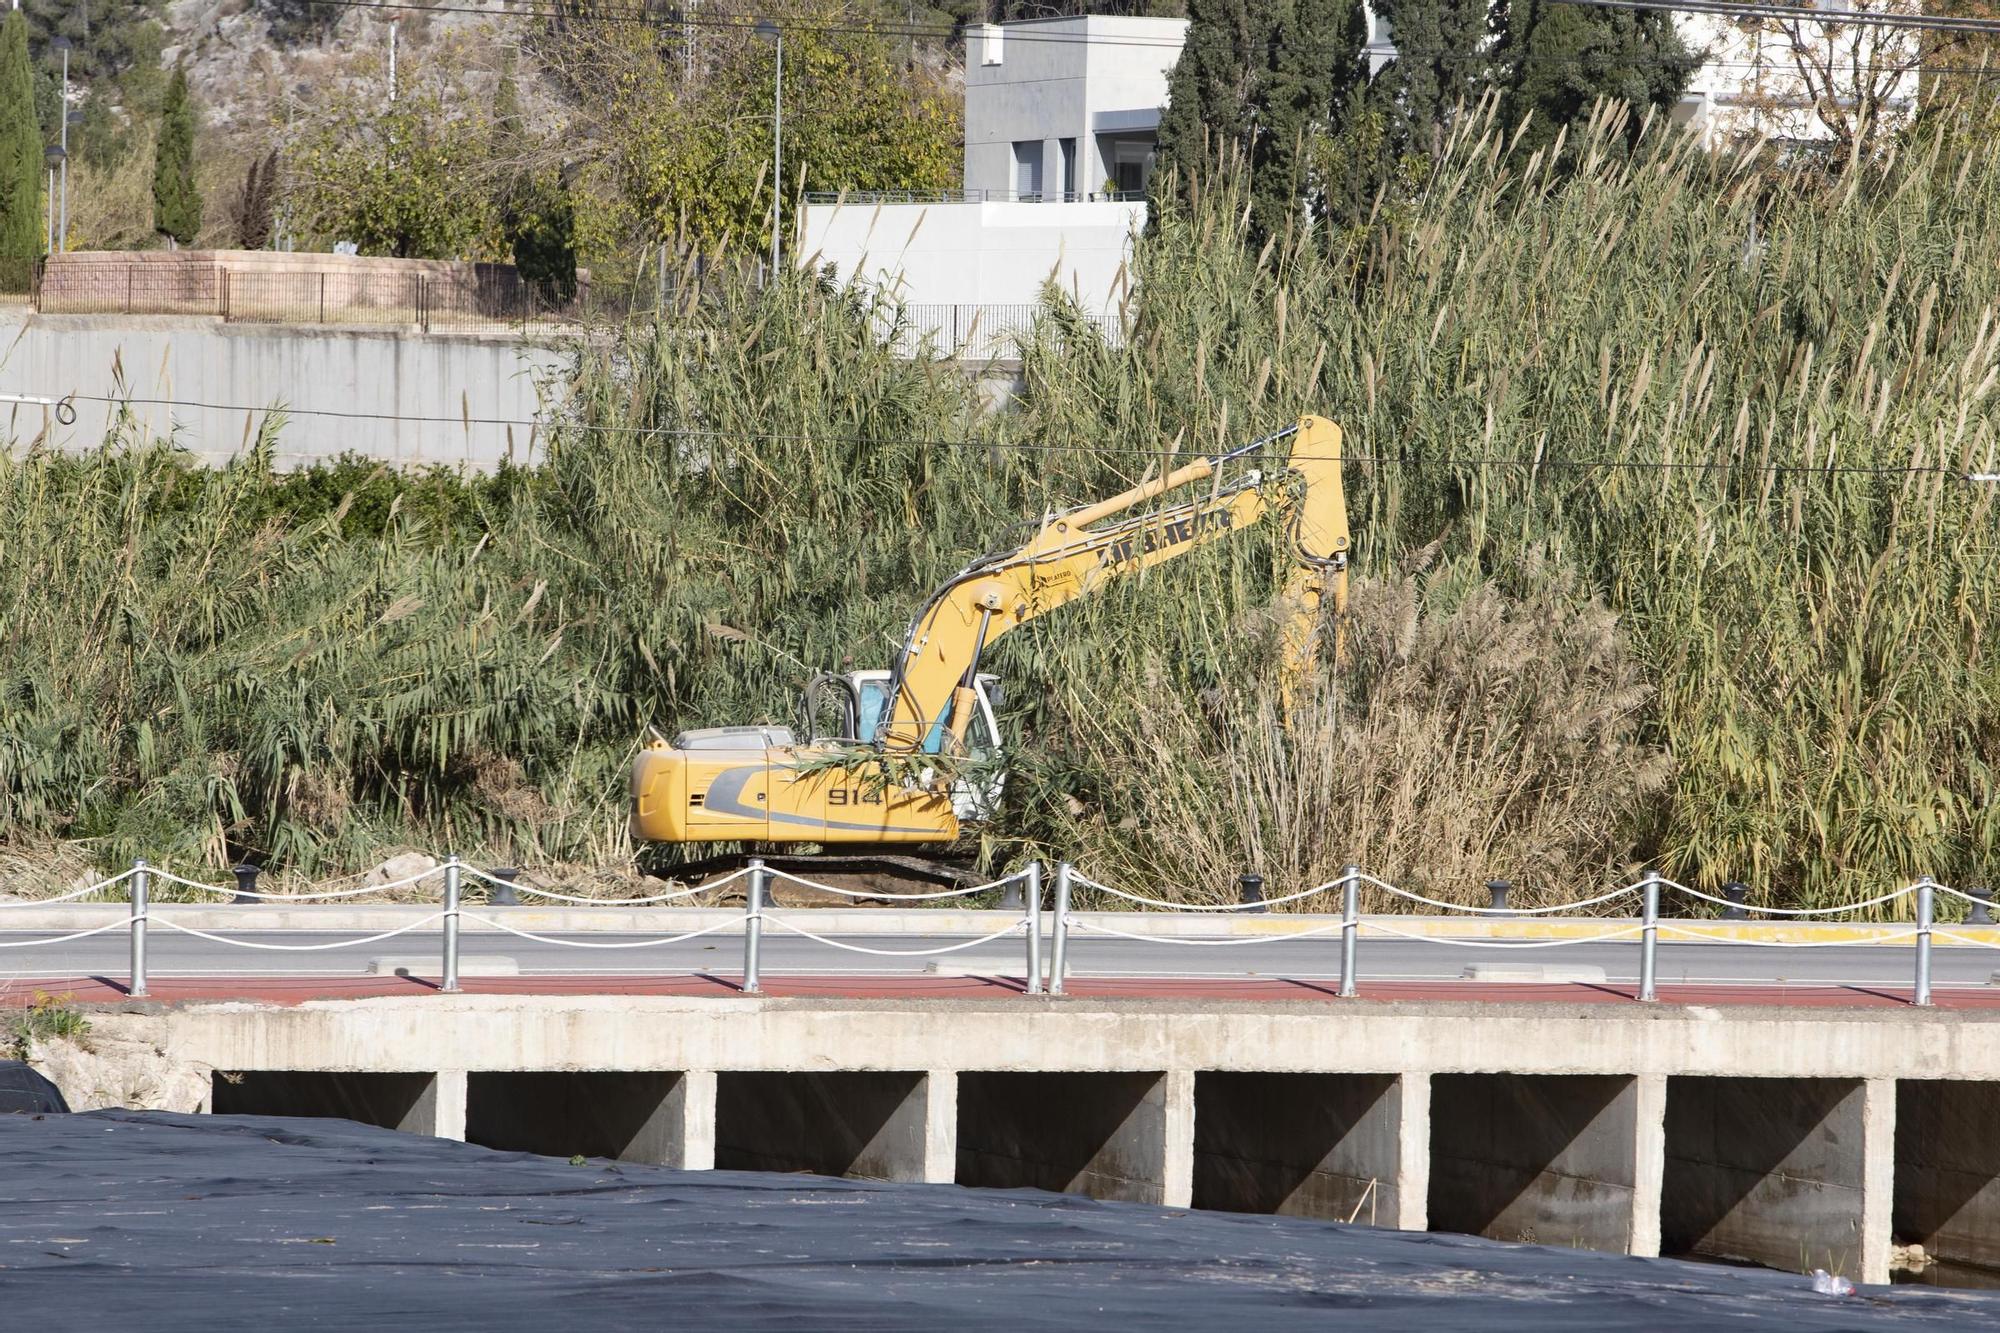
<point>850,709</point>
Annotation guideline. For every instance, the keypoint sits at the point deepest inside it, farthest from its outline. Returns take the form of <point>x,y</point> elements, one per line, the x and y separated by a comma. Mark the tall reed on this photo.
<point>1663,554</point>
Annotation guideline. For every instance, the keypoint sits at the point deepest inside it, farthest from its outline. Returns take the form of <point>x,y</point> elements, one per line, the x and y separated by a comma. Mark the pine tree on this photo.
<point>21,235</point>
<point>1556,60</point>
<point>176,200</point>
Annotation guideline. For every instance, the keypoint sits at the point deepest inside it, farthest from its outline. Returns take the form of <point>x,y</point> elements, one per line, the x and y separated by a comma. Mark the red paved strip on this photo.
<point>295,990</point>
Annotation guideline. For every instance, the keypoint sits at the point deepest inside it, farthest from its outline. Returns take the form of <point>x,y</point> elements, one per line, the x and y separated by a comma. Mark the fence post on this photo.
<point>451,886</point>
<point>1034,928</point>
<point>222,292</point>
<point>1926,905</point>
<point>753,926</point>
<point>1350,927</point>
<point>141,883</point>
<point>1059,935</point>
<point>1649,933</point>
<point>130,271</point>
<point>322,298</point>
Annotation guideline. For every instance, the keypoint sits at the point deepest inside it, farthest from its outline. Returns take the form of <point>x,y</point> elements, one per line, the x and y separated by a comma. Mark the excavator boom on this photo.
<point>1076,552</point>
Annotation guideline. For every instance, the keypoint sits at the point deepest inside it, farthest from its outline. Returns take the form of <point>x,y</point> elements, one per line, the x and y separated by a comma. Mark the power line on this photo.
<point>1046,447</point>
<point>1738,9</point>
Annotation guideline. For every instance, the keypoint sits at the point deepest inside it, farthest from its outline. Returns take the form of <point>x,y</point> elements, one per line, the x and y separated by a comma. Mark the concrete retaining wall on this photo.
<point>1764,1134</point>
<point>400,397</point>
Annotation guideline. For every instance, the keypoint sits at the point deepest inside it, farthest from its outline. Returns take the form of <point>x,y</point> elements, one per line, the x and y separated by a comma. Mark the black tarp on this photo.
<point>22,1090</point>
<point>121,1220</point>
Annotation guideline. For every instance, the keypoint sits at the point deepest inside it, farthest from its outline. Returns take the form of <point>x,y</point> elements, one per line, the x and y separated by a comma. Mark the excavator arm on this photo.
<point>1078,551</point>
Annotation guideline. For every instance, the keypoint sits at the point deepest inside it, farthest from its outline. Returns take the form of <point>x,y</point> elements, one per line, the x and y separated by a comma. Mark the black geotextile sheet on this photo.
<point>123,1220</point>
<point>23,1090</point>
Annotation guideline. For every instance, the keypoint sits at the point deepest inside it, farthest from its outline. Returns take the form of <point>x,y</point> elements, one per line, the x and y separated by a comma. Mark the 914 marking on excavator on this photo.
<point>853,796</point>
<point>1174,532</point>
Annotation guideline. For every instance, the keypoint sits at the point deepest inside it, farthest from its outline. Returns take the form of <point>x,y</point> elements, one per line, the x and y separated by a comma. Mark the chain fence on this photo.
<point>1023,893</point>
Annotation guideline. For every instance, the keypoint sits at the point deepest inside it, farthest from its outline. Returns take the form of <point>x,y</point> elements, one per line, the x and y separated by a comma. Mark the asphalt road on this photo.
<point>174,954</point>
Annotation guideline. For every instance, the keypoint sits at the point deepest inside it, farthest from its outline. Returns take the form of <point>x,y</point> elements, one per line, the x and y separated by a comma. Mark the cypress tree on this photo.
<point>256,206</point>
<point>176,201</point>
<point>21,235</point>
<point>1557,60</point>
<point>1316,51</point>
<point>1439,64</point>
<point>1213,92</point>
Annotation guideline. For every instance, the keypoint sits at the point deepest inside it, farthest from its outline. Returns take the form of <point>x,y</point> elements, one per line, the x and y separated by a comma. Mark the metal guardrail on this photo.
<point>1065,919</point>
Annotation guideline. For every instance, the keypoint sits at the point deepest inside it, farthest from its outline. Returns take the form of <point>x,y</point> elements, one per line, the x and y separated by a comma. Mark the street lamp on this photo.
<point>53,157</point>
<point>63,45</point>
<point>770,32</point>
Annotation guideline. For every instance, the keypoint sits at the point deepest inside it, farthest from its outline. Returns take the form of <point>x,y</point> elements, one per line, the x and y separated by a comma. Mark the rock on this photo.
<point>400,867</point>
<point>110,1067</point>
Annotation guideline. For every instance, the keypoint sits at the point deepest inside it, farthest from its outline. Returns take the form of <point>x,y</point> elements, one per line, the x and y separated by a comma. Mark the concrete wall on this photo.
<point>1948,1179</point>
<point>1773,1171</point>
<point>978,254</point>
<point>223,378</point>
<point>1767,1134</point>
<point>869,1125</point>
<point>1304,1145</point>
<point>1550,1159</point>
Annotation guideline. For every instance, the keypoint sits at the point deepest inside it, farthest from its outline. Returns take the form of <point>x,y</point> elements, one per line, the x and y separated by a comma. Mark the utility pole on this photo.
<point>770,32</point>
<point>62,44</point>
<point>687,40</point>
<point>392,60</point>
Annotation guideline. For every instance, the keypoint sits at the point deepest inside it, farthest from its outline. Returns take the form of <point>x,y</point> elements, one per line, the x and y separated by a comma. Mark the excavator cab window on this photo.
<point>872,701</point>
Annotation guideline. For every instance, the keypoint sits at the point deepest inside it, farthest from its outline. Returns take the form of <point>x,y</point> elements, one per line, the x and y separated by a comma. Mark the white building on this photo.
<point>1064,109</point>
<point>1801,81</point>
<point>1061,121</point>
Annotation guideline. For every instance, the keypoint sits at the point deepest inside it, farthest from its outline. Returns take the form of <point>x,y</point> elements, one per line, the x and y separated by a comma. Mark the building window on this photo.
<point>1069,169</point>
<point>1028,168</point>
<point>1132,164</point>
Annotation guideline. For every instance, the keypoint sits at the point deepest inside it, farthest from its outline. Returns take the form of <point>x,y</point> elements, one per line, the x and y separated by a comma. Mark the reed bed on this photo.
<point>1664,555</point>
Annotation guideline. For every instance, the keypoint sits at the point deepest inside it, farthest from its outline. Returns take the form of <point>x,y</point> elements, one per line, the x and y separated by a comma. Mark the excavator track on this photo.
<point>875,875</point>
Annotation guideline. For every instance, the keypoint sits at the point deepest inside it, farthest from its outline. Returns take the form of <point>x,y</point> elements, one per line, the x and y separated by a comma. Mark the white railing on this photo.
<point>1065,919</point>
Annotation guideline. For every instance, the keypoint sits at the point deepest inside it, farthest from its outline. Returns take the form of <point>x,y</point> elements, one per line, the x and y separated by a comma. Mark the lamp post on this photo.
<point>52,157</point>
<point>63,44</point>
<point>770,32</point>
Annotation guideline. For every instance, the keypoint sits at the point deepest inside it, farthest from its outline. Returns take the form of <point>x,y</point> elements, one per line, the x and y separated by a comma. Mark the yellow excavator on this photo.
<point>762,784</point>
